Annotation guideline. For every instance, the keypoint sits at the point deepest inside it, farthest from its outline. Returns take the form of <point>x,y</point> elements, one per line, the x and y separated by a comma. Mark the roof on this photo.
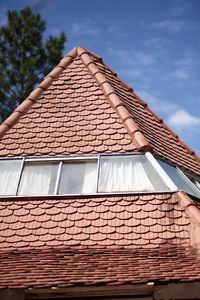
<point>83,107</point>
<point>132,221</point>
<point>98,240</point>
<point>95,267</point>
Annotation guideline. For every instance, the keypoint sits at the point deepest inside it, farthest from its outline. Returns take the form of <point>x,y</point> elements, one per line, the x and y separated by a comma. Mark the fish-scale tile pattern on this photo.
<point>165,144</point>
<point>72,116</point>
<point>126,221</point>
<point>64,266</point>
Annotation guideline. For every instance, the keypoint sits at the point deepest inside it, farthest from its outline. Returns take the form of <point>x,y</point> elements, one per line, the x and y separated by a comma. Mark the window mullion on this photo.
<point>58,178</point>
<point>98,170</point>
<point>20,175</point>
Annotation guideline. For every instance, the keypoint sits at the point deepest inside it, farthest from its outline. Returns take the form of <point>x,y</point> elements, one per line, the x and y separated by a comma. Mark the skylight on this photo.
<point>86,175</point>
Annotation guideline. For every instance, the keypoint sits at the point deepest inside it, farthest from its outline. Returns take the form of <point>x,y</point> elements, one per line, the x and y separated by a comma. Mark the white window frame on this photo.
<point>189,181</point>
<point>61,159</point>
<point>168,181</point>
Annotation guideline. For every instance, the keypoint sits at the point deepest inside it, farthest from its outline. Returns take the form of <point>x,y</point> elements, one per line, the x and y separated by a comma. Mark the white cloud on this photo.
<point>133,57</point>
<point>185,68</point>
<point>84,28</point>
<point>181,7</point>
<point>117,31</point>
<point>189,60</point>
<point>133,64</point>
<point>173,26</point>
<point>180,74</point>
<point>157,104</point>
<point>158,44</point>
<point>181,119</point>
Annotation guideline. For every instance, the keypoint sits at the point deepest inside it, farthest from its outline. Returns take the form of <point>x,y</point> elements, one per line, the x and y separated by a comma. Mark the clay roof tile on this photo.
<point>141,129</point>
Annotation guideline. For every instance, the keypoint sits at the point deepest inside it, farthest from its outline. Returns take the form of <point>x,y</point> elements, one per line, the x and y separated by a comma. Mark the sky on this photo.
<point>153,45</point>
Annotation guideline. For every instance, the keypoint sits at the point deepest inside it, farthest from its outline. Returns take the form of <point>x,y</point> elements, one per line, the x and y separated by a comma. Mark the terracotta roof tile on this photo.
<point>135,218</point>
<point>83,98</point>
<point>82,117</point>
<point>163,264</point>
<point>82,107</point>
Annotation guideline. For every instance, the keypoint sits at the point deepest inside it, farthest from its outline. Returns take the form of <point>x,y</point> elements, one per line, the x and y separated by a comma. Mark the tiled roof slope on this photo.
<point>103,240</point>
<point>164,141</point>
<point>72,116</point>
<point>82,107</point>
<point>74,267</point>
<point>126,221</point>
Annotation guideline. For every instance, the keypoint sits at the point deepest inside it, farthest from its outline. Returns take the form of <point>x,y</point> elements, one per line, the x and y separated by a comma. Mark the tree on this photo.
<point>25,58</point>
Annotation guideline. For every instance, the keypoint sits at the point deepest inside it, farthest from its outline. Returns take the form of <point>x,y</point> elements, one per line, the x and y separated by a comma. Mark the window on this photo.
<point>9,176</point>
<point>197,183</point>
<point>180,179</point>
<point>80,175</point>
<point>194,180</point>
<point>128,173</point>
<point>78,178</point>
<point>48,176</point>
<point>38,179</point>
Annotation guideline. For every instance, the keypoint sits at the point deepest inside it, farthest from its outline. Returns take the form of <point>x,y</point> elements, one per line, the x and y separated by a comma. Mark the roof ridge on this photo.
<point>126,118</point>
<point>160,120</point>
<point>189,205</point>
<point>194,214</point>
<point>189,149</point>
<point>37,92</point>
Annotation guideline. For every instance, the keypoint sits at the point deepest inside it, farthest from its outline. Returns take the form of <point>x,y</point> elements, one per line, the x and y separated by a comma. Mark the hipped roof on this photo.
<point>82,107</point>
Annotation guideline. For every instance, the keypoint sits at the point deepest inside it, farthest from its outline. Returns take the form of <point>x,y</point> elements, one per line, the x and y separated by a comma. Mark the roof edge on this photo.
<point>126,118</point>
<point>193,213</point>
<point>37,92</point>
<point>145,105</point>
<point>173,133</point>
<point>189,205</point>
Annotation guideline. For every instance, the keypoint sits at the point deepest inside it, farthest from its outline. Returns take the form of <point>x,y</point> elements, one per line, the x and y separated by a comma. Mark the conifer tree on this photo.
<point>25,57</point>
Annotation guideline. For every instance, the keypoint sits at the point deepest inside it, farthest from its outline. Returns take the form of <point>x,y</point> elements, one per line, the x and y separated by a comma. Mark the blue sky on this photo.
<point>153,45</point>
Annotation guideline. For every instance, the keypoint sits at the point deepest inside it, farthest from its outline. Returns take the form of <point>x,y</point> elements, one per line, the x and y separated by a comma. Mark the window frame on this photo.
<point>61,159</point>
<point>78,160</point>
<point>189,181</point>
<point>186,178</point>
<point>191,178</point>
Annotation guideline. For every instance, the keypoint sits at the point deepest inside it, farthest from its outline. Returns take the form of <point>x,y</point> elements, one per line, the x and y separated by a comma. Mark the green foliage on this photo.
<point>25,58</point>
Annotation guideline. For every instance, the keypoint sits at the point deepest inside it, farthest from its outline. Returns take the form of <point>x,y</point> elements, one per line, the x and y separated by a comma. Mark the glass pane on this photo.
<point>9,176</point>
<point>78,177</point>
<point>128,173</point>
<point>197,183</point>
<point>194,180</point>
<point>38,179</point>
<point>180,180</point>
